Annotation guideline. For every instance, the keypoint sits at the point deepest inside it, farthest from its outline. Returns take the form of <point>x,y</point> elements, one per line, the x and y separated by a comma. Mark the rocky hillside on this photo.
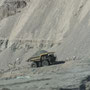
<point>55,25</point>
<point>27,26</point>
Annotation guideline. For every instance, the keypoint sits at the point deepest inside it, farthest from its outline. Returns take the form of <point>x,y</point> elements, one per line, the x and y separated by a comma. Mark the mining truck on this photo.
<point>42,58</point>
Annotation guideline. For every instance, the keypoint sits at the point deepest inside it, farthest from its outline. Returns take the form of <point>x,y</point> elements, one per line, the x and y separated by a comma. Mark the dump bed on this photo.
<point>37,56</point>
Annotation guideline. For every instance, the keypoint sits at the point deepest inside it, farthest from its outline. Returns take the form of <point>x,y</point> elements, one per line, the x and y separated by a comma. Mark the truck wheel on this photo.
<point>45,63</point>
<point>34,65</point>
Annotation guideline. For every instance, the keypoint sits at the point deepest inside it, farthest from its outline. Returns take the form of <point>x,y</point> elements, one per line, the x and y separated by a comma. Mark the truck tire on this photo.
<point>45,63</point>
<point>34,65</point>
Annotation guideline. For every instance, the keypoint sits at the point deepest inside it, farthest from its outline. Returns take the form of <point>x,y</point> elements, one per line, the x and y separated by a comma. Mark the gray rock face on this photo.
<point>27,26</point>
<point>11,7</point>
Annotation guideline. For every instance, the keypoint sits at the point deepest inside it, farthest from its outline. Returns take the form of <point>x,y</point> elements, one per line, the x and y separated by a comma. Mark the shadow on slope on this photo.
<point>59,62</point>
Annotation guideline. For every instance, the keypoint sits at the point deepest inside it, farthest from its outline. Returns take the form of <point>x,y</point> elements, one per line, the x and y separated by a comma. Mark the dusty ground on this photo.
<point>65,76</point>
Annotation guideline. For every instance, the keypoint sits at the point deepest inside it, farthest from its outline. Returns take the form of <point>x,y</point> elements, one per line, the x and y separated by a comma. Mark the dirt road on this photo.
<point>66,76</point>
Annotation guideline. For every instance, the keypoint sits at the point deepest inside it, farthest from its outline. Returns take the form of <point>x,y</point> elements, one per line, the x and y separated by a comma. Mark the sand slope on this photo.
<point>55,25</point>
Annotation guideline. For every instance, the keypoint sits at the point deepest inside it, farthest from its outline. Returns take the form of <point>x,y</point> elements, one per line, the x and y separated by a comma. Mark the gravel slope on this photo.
<point>60,26</point>
<point>53,25</point>
<point>70,75</point>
